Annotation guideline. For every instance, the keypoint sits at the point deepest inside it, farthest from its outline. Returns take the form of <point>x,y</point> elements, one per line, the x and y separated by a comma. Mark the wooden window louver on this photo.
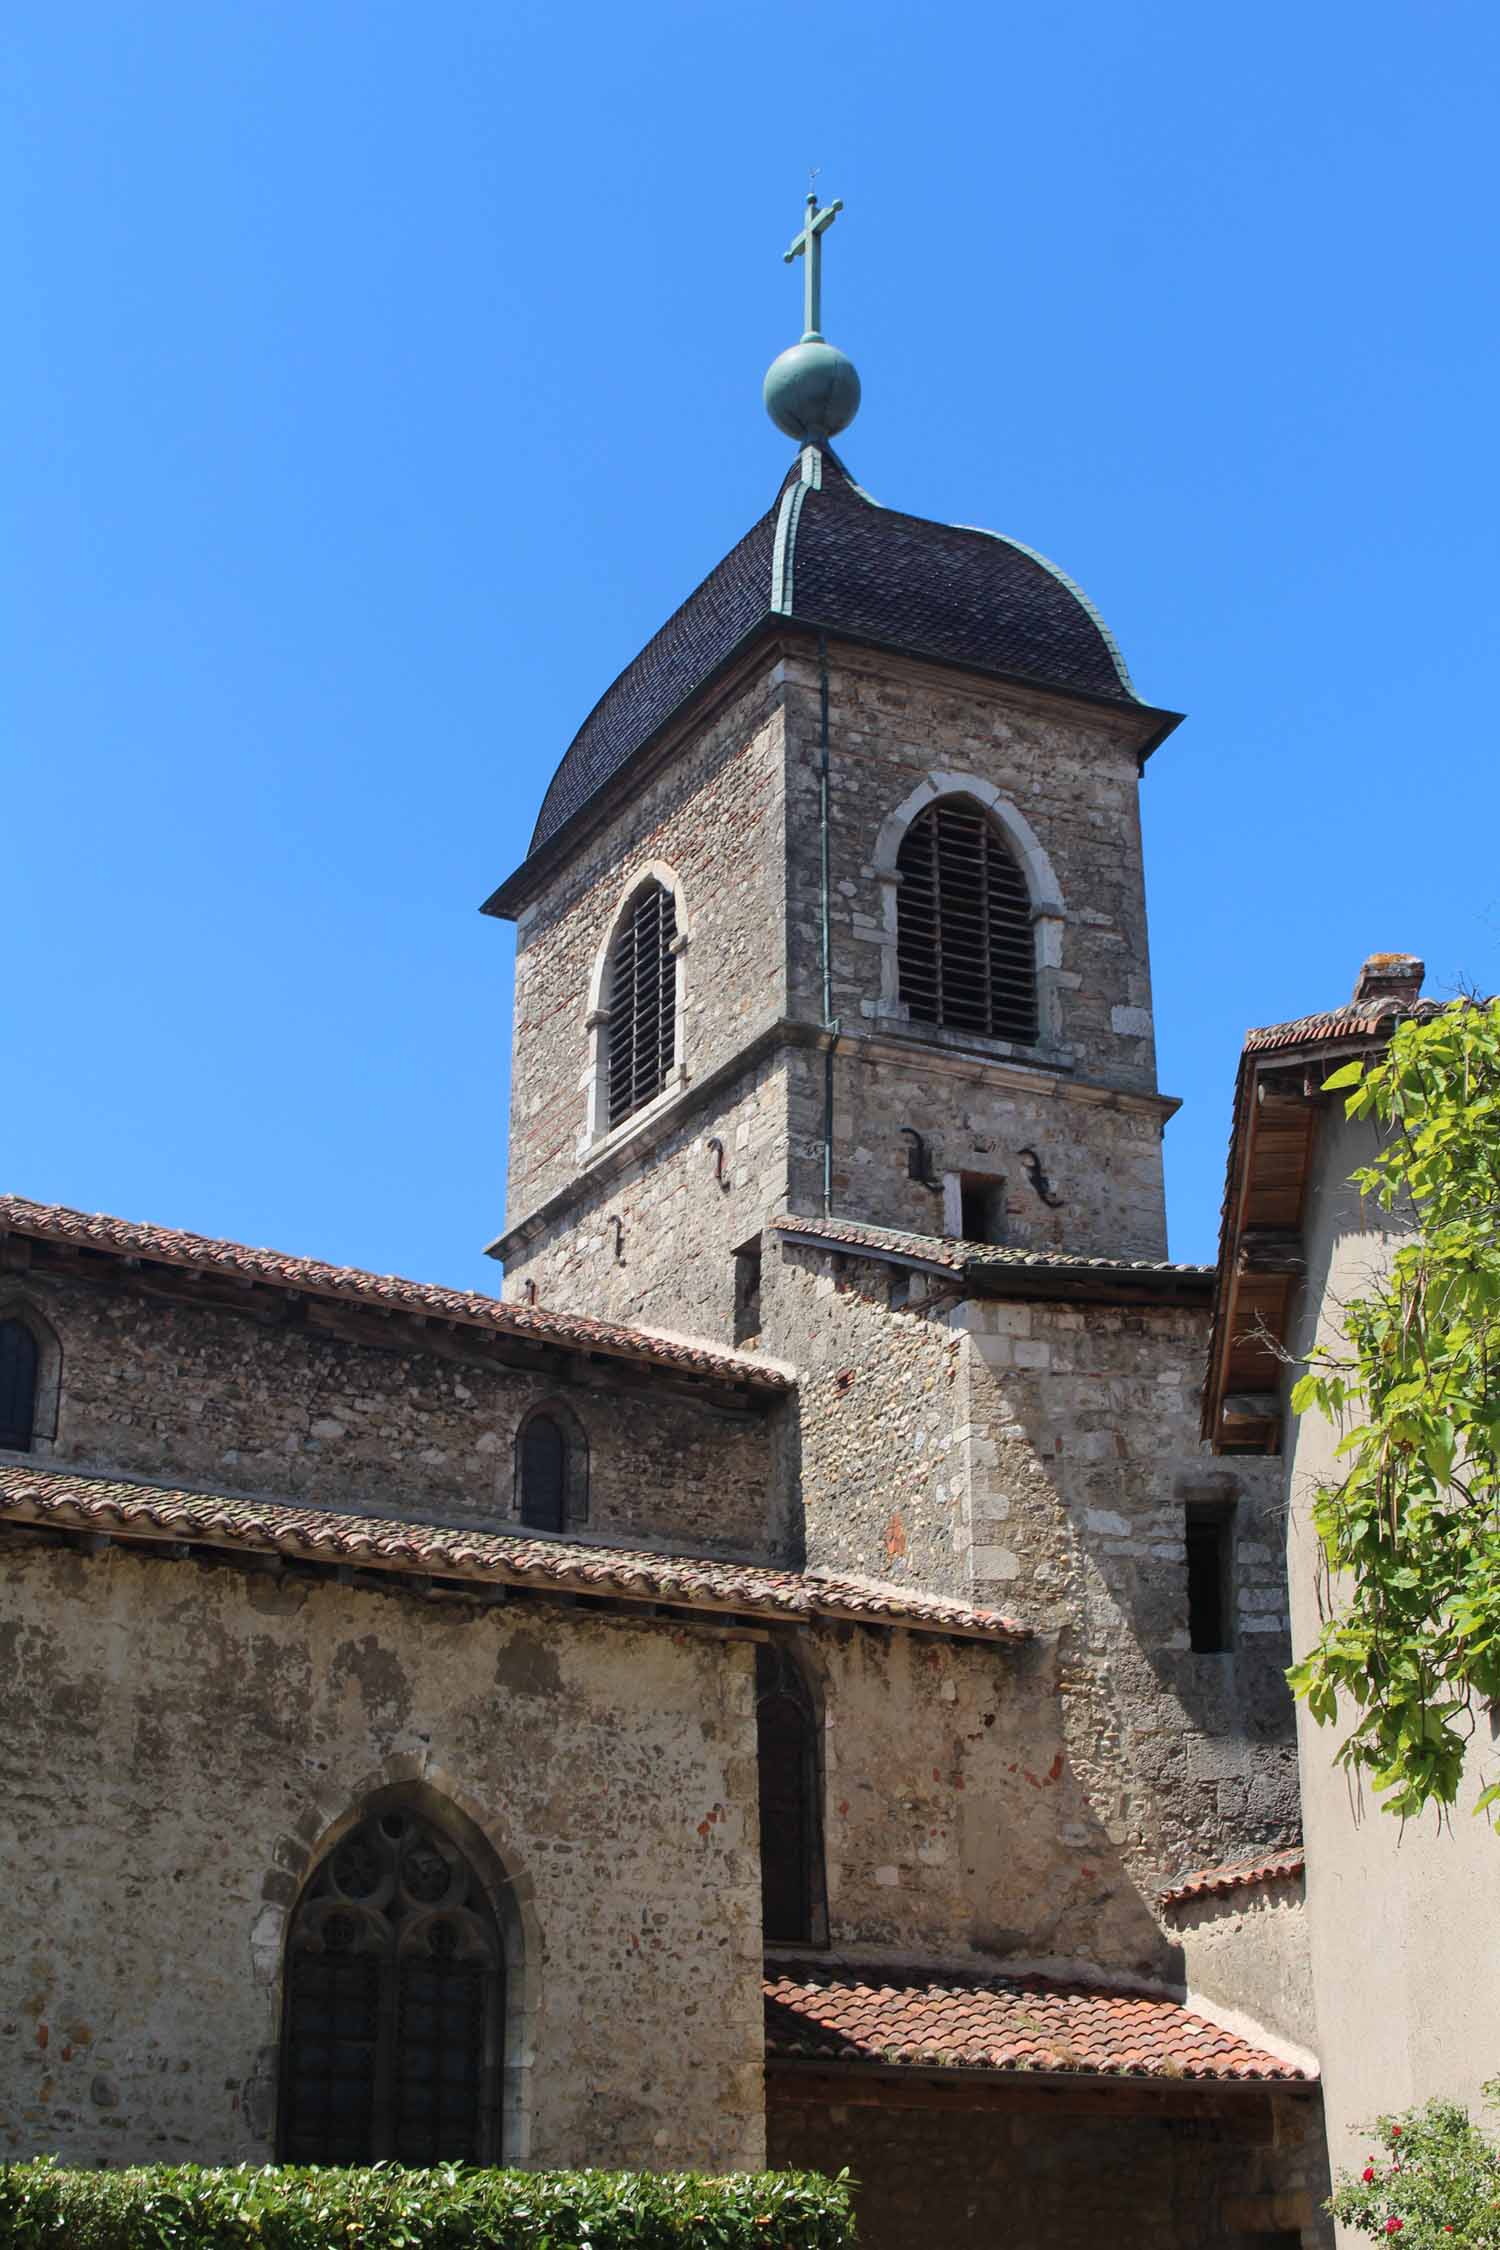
<point>18,1375</point>
<point>965,947</point>
<point>643,1003</point>
<point>393,2006</point>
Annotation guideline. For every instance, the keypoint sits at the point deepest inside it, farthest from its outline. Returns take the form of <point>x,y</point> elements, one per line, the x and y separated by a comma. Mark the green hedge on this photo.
<point>187,2207</point>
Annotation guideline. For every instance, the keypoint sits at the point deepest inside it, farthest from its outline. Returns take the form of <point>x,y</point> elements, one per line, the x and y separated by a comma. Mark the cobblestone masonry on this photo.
<point>293,1409</point>
<point>1069,2182</point>
<point>178,1737</point>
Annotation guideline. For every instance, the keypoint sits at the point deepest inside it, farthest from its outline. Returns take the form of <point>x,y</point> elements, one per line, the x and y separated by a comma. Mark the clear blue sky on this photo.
<point>378,377</point>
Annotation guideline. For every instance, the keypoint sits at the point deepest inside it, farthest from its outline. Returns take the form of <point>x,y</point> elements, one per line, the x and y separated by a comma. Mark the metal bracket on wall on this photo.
<point>619,1226</point>
<point>1039,1179</point>
<point>718,1148</point>
<point>917,1165</point>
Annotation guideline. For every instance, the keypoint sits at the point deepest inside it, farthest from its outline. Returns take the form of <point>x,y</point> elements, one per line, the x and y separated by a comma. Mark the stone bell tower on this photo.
<point>834,910</point>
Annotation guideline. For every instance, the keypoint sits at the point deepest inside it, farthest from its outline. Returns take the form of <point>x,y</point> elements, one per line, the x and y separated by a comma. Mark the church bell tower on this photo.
<point>834,913</point>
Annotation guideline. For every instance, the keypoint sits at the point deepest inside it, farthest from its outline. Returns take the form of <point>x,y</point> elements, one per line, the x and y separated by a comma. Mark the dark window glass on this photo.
<point>394,2002</point>
<point>18,1365</point>
<point>642,1003</point>
<point>747,1266</point>
<point>790,1827</point>
<point>544,1465</point>
<point>1208,1533</point>
<point>982,1199</point>
<point>964,943</point>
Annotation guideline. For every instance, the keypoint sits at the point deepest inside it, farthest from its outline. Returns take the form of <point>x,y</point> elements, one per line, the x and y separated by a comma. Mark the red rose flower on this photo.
<point>1394,2226</point>
<point>1368,2173</point>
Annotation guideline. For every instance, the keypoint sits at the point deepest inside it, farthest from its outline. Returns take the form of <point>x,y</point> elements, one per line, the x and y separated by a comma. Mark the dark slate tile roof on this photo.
<point>952,2022</point>
<point>127,1238</point>
<point>1235,1875</point>
<point>975,1259</point>
<point>828,555</point>
<point>58,1499</point>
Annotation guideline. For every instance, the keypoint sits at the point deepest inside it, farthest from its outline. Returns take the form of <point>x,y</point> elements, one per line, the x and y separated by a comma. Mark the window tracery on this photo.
<point>394,2000</point>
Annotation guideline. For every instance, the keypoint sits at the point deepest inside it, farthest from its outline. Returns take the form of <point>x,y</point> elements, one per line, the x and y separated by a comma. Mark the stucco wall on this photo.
<point>178,1735</point>
<point>1406,1983</point>
<point>281,1403</point>
<point>1248,1953</point>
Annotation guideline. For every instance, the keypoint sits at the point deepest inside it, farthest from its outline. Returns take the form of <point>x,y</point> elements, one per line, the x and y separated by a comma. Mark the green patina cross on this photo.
<point>809,244</point>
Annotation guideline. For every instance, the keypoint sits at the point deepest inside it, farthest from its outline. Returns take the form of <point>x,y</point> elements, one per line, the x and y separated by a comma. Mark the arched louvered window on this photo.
<point>642,1002</point>
<point>18,1384</point>
<point>552,1470</point>
<point>791,1827</point>
<point>965,947</point>
<point>393,2004</point>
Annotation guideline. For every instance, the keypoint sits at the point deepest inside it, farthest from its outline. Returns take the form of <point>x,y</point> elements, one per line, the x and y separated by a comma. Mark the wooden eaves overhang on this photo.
<point>1278,1101</point>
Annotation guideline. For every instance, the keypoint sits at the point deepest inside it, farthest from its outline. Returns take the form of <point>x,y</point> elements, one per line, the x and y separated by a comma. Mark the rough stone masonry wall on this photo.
<point>186,1393</point>
<point>1101,1159</point>
<point>179,1736</point>
<point>713,814</point>
<point>986,2174</point>
<point>958,1834</point>
<point>679,1223</point>
<point>1072,775</point>
<point>1084,1448</point>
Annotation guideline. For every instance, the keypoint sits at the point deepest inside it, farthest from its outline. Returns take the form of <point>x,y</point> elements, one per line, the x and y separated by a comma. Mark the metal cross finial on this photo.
<point>809,244</point>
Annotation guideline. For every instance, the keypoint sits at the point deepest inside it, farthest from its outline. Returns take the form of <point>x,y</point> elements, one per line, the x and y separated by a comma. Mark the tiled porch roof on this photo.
<point>144,1512</point>
<point>1235,1875</point>
<point>922,2021</point>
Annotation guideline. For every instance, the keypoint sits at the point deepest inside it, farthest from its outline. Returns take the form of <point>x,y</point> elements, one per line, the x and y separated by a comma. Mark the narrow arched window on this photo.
<point>393,2004</point>
<point>966,952</point>
<point>642,1002</point>
<point>791,1828</point>
<point>552,1470</point>
<point>18,1382</point>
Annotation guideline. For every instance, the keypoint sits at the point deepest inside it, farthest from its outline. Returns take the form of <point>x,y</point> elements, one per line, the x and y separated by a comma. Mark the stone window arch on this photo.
<point>552,1469</point>
<point>394,1997</point>
<point>636,1015</point>
<point>30,1379</point>
<point>972,916</point>
<point>790,1775</point>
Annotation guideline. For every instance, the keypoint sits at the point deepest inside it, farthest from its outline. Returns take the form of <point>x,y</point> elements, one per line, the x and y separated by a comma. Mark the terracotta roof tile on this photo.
<point>54,1498</point>
<point>1235,1875</point>
<point>976,1257</point>
<point>278,1269</point>
<point>1366,1021</point>
<point>999,2023</point>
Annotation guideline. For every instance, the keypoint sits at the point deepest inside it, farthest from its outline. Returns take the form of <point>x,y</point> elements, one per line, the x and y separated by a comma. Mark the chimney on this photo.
<point>1391,980</point>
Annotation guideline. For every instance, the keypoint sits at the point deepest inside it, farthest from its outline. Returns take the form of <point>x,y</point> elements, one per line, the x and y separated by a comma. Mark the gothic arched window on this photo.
<point>552,1470</point>
<point>791,1828</point>
<point>393,2006</point>
<point>966,950</point>
<point>19,1362</point>
<point>642,1001</point>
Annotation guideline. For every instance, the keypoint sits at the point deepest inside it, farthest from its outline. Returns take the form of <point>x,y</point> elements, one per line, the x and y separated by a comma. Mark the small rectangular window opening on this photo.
<point>747,1291</point>
<point>981,1207</point>
<point>1209,1532</point>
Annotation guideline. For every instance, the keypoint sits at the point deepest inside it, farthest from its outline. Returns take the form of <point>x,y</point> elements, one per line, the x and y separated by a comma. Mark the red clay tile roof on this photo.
<point>1369,1020</point>
<point>51,1222</point>
<point>974,1257</point>
<point>1235,1875</point>
<point>144,1511</point>
<point>999,2023</point>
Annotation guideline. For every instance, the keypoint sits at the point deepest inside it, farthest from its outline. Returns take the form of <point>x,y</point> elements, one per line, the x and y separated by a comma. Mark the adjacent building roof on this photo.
<point>55,1499</point>
<point>1237,1875</point>
<point>916,2019</point>
<point>1278,1094</point>
<point>1000,1269</point>
<point>126,1238</point>
<point>826,555</point>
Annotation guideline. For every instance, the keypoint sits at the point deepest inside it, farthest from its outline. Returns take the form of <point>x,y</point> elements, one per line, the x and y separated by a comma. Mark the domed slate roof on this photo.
<point>827,555</point>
